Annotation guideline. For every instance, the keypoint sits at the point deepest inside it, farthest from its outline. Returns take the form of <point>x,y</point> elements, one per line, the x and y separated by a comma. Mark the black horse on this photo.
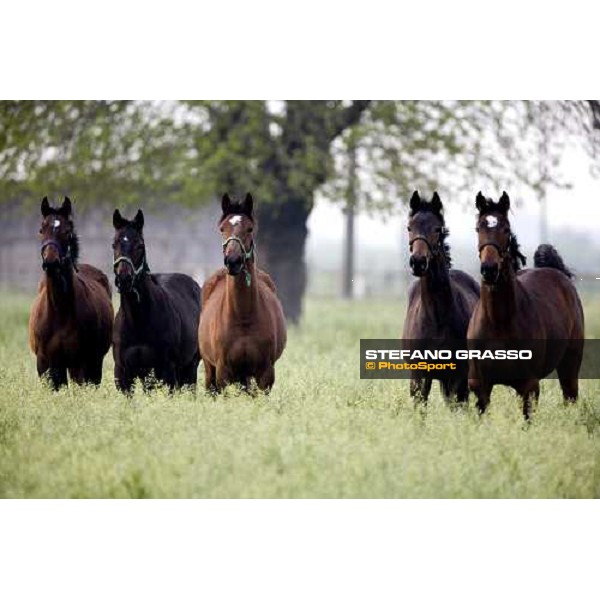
<point>440,303</point>
<point>156,327</point>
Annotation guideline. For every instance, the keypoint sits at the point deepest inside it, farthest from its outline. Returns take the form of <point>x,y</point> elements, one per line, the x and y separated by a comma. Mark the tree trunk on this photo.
<point>281,241</point>
<point>348,265</point>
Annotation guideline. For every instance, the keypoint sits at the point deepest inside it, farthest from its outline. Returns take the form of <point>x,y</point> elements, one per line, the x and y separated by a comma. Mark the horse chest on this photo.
<point>64,341</point>
<point>246,350</point>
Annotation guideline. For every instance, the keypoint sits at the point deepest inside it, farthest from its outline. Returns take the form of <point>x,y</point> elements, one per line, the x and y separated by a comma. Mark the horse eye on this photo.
<point>438,230</point>
<point>408,229</point>
<point>114,246</point>
<point>251,230</point>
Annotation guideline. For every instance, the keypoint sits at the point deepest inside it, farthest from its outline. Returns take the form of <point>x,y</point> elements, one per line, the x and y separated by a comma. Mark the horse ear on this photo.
<point>436,203</point>
<point>480,202</point>
<point>504,203</point>
<point>117,219</point>
<point>415,201</point>
<point>226,204</point>
<point>138,220</point>
<point>248,205</point>
<point>45,207</point>
<point>66,207</point>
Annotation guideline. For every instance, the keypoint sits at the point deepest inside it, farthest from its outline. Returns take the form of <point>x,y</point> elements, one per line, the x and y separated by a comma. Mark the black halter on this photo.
<point>503,253</point>
<point>64,256</point>
<point>435,250</point>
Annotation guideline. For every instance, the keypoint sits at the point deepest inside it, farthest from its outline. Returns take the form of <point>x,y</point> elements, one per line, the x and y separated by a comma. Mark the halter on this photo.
<point>136,272</point>
<point>435,250</point>
<point>246,254</point>
<point>63,256</point>
<point>503,253</point>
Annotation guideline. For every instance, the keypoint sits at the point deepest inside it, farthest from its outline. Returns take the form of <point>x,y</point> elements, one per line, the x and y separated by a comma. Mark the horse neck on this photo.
<point>137,306</point>
<point>436,291</point>
<point>240,298</point>
<point>60,289</point>
<point>499,301</point>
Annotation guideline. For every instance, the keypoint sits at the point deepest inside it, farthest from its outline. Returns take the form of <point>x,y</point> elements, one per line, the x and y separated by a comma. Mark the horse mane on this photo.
<point>518,259</point>
<point>445,245</point>
<point>74,247</point>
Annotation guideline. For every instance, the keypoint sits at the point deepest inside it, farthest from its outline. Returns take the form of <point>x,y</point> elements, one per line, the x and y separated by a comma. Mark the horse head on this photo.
<point>498,246</point>
<point>129,250</point>
<point>59,243</point>
<point>427,233</point>
<point>237,226</point>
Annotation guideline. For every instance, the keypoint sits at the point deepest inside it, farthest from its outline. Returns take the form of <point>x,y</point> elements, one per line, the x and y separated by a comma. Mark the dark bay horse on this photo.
<point>441,302</point>
<point>517,305</point>
<point>156,325</point>
<point>70,323</point>
<point>242,328</point>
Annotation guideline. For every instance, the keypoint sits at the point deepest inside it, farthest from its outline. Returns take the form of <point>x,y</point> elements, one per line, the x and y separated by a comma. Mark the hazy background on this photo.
<point>315,169</point>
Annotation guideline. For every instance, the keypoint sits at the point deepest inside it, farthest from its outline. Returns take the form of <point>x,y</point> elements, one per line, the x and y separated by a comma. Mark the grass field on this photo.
<point>321,433</point>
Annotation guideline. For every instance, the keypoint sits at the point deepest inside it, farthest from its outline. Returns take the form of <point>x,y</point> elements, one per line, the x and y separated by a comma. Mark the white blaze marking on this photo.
<point>235,220</point>
<point>125,238</point>
<point>491,221</point>
<point>56,224</point>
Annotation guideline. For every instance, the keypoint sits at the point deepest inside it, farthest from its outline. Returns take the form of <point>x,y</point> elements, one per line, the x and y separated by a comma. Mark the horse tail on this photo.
<point>547,255</point>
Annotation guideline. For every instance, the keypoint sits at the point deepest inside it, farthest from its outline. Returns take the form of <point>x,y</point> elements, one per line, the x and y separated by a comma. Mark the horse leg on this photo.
<point>266,379</point>
<point>568,371</point>
<point>189,374</point>
<point>166,373</point>
<point>462,391</point>
<point>93,371</point>
<point>42,365</point>
<point>123,380</point>
<point>58,377</point>
<point>483,392</point>
<point>222,377</point>
<point>419,390</point>
<point>529,391</point>
<point>77,375</point>
<point>210,377</point>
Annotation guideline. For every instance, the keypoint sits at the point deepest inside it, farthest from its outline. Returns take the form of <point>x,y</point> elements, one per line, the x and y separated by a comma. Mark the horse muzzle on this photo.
<point>51,266</point>
<point>124,282</point>
<point>418,265</point>
<point>234,264</point>
<point>490,271</point>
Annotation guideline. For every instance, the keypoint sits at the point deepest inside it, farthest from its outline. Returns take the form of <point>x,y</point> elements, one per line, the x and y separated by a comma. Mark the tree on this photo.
<point>284,153</point>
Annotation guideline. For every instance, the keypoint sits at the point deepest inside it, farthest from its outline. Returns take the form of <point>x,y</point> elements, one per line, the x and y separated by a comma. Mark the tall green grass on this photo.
<point>322,432</point>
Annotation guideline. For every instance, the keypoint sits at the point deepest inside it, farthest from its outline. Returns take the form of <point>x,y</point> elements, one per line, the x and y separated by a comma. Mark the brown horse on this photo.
<point>242,328</point>
<point>440,304</point>
<point>521,306</point>
<point>70,324</point>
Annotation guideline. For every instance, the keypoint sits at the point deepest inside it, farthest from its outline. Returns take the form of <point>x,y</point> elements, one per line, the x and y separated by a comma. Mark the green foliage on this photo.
<point>321,433</point>
<point>95,151</point>
<point>453,146</point>
<point>190,151</point>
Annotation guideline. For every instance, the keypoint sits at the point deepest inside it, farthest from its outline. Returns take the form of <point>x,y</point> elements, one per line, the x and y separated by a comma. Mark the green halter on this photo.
<point>136,272</point>
<point>246,255</point>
